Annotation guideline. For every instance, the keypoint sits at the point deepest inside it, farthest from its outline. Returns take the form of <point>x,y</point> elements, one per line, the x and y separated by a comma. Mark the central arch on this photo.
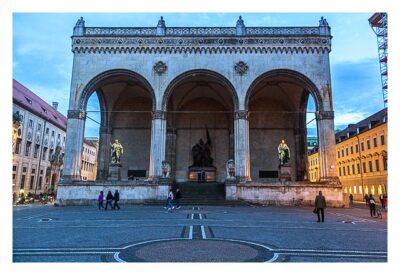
<point>198,102</point>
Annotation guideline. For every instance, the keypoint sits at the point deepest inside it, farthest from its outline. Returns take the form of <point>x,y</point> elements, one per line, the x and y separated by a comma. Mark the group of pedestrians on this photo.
<point>173,199</point>
<point>109,199</point>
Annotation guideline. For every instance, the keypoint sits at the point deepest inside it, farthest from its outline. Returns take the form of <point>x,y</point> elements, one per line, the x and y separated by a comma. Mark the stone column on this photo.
<point>242,147</point>
<point>73,145</point>
<point>327,144</point>
<point>171,151</point>
<point>157,149</point>
<point>103,158</point>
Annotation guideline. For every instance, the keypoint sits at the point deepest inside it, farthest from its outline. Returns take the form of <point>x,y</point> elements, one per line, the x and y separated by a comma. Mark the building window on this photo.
<point>52,133</point>
<point>377,164</point>
<point>22,185</point>
<point>40,183</point>
<point>340,172</point>
<point>58,136</point>
<point>23,169</point>
<point>370,165</point>
<point>50,154</point>
<point>344,171</point>
<point>39,127</point>
<point>31,183</point>
<point>364,167</point>
<point>30,123</point>
<point>347,151</point>
<point>382,140</point>
<point>44,153</point>
<point>36,149</point>
<point>385,164</point>
<point>18,146</point>
<point>356,148</point>
<point>47,130</point>
<point>27,148</point>
<point>362,146</point>
<point>14,168</point>
<point>368,144</point>
<point>355,189</point>
<point>348,170</point>
<point>351,149</point>
<point>358,168</point>
<point>353,170</point>
<point>342,153</point>
<point>360,189</point>
<point>375,142</point>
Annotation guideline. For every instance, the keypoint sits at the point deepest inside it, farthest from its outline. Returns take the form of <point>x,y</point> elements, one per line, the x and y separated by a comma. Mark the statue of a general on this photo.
<point>283,153</point>
<point>202,153</point>
<point>116,151</point>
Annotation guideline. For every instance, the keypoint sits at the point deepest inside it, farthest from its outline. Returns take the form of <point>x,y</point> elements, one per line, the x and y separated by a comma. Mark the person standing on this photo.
<point>178,197</point>
<point>381,199</point>
<point>320,204</point>
<point>100,200</point>
<point>116,199</point>
<point>109,199</point>
<point>170,198</point>
<point>371,202</point>
<point>366,198</point>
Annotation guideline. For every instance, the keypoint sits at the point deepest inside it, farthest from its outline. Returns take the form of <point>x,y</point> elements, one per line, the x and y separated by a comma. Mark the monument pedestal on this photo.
<point>114,172</point>
<point>285,172</point>
<point>202,174</point>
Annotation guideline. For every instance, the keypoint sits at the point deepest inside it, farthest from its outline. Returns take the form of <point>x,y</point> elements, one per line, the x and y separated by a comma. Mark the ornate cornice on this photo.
<point>76,114</point>
<point>204,45</point>
<point>241,114</point>
<point>321,115</point>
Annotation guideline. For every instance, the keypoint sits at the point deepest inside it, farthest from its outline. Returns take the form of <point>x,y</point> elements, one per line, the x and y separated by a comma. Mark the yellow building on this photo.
<point>361,157</point>
<point>313,165</point>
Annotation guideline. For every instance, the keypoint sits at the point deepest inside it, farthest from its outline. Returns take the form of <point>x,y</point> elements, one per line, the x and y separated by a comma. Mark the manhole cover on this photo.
<point>195,251</point>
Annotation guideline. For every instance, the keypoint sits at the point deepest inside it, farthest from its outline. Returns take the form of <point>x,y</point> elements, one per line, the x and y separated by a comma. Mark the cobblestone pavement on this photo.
<point>142,233</point>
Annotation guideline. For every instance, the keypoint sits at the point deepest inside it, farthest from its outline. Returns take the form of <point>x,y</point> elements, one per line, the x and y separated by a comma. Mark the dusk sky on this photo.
<point>42,57</point>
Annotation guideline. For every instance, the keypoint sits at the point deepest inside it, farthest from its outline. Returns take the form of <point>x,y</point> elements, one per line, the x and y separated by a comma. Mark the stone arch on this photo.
<point>92,85</point>
<point>196,72</point>
<point>309,85</point>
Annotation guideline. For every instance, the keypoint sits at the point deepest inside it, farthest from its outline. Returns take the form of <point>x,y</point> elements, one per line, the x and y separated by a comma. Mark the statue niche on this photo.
<point>202,169</point>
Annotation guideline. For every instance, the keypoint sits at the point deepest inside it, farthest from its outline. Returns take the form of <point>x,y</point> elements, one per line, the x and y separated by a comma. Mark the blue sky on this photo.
<point>42,57</point>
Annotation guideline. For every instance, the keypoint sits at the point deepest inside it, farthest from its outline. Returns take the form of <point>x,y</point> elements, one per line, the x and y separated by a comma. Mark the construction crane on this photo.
<point>378,23</point>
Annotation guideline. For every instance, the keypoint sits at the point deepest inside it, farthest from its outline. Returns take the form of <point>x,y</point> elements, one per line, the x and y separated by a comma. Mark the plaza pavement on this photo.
<point>143,233</point>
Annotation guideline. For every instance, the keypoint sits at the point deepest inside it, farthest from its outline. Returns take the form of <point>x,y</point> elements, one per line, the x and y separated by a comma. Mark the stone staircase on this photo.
<point>207,193</point>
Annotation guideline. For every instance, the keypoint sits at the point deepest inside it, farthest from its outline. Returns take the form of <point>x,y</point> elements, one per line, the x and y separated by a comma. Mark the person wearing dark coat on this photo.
<point>320,204</point>
<point>109,199</point>
<point>371,202</point>
<point>116,199</point>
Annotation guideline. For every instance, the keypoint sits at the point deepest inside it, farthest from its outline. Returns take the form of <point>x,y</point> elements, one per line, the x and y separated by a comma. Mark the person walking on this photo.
<point>177,199</point>
<point>371,202</point>
<point>366,198</point>
<point>381,199</point>
<point>351,199</point>
<point>170,198</point>
<point>116,199</point>
<point>320,204</point>
<point>109,199</point>
<point>385,201</point>
<point>100,200</point>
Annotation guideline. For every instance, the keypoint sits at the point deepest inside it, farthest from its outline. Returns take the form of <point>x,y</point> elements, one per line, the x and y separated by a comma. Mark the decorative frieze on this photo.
<point>321,115</point>
<point>159,114</point>
<point>241,68</point>
<point>76,114</point>
<point>200,31</point>
<point>241,114</point>
<point>160,68</point>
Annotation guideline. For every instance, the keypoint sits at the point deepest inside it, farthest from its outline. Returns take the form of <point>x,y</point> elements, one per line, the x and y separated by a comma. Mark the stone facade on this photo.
<point>160,89</point>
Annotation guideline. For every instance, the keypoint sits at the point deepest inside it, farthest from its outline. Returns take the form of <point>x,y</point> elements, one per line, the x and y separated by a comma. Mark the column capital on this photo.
<point>76,114</point>
<point>322,115</point>
<point>242,114</point>
<point>159,114</point>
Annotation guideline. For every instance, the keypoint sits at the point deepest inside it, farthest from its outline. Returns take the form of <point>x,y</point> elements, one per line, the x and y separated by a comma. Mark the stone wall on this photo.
<point>286,194</point>
<point>86,193</point>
